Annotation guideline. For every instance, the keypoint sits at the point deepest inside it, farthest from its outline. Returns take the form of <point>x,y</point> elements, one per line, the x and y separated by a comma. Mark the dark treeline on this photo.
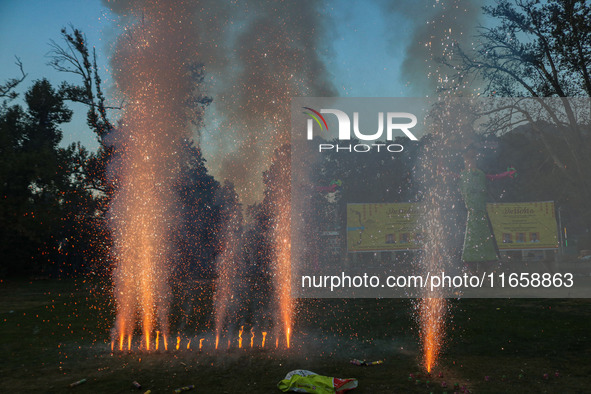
<point>42,186</point>
<point>54,199</point>
<point>54,216</point>
<point>53,211</point>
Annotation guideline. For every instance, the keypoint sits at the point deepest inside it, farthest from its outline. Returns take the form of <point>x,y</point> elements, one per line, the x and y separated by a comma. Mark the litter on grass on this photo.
<point>302,381</point>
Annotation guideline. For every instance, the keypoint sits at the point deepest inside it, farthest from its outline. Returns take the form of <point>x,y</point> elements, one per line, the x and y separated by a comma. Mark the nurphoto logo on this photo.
<point>395,124</point>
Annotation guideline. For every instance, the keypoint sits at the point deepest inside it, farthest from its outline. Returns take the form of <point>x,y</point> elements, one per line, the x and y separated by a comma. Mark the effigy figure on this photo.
<point>479,241</point>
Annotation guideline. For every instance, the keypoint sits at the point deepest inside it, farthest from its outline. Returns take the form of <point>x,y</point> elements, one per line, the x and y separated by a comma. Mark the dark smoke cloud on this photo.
<point>439,26</point>
<point>257,56</point>
<point>274,57</point>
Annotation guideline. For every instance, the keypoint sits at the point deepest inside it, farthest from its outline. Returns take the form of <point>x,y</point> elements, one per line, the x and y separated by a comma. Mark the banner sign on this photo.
<point>522,226</point>
<point>391,227</point>
<point>383,227</point>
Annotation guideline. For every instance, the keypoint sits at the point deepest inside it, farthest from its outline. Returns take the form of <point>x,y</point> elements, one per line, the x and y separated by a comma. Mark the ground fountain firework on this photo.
<point>155,61</point>
<point>153,74</point>
<point>157,74</point>
<point>192,205</point>
<point>451,131</point>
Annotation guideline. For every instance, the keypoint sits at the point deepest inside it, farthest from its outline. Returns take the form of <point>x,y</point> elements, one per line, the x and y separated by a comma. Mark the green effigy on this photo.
<point>479,243</point>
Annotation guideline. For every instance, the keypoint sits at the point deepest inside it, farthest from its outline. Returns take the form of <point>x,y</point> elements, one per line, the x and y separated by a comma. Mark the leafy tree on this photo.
<point>37,183</point>
<point>76,58</point>
<point>534,48</point>
<point>196,187</point>
<point>199,214</point>
<point>541,49</point>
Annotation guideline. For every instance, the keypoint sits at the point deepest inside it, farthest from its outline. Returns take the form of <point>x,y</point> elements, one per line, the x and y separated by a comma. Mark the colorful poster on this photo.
<point>527,225</point>
<point>383,227</point>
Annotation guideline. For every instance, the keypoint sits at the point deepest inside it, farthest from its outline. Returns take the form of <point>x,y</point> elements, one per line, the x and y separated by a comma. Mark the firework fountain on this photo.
<point>437,227</point>
<point>450,23</point>
<point>153,73</point>
<point>227,266</point>
<point>154,65</point>
<point>280,196</point>
<point>273,57</point>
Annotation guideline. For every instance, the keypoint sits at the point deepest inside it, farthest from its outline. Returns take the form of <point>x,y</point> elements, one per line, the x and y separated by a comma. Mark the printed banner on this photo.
<point>528,225</point>
<point>383,227</point>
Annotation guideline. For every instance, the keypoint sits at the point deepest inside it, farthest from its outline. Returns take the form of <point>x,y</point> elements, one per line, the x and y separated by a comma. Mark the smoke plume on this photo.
<point>441,25</point>
<point>257,56</point>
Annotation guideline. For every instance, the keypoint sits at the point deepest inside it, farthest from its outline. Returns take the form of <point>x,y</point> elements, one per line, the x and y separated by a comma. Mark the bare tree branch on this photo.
<point>7,88</point>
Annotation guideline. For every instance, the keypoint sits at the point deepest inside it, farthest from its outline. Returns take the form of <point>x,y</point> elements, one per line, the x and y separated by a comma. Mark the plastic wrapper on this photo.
<point>302,381</point>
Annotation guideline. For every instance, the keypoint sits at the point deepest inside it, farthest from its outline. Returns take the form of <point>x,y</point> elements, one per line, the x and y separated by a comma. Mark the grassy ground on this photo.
<point>53,333</point>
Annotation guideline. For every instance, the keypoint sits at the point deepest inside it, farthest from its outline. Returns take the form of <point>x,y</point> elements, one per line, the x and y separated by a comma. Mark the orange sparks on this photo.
<point>287,336</point>
<point>157,338</point>
<point>189,345</point>
<point>121,339</point>
<point>228,343</point>
<point>264,336</point>
<point>227,266</point>
<point>282,248</point>
<point>201,343</point>
<point>432,316</point>
<point>251,337</point>
<point>240,337</point>
<point>217,341</point>
<point>165,340</point>
<point>152,125</point>
<point>112,346</point>
<point>277,343</point>
<point>129,342</point>
<point>178,342</point>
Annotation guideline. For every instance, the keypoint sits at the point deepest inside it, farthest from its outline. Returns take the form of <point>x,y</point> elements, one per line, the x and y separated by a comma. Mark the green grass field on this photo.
<point>53,333</point>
